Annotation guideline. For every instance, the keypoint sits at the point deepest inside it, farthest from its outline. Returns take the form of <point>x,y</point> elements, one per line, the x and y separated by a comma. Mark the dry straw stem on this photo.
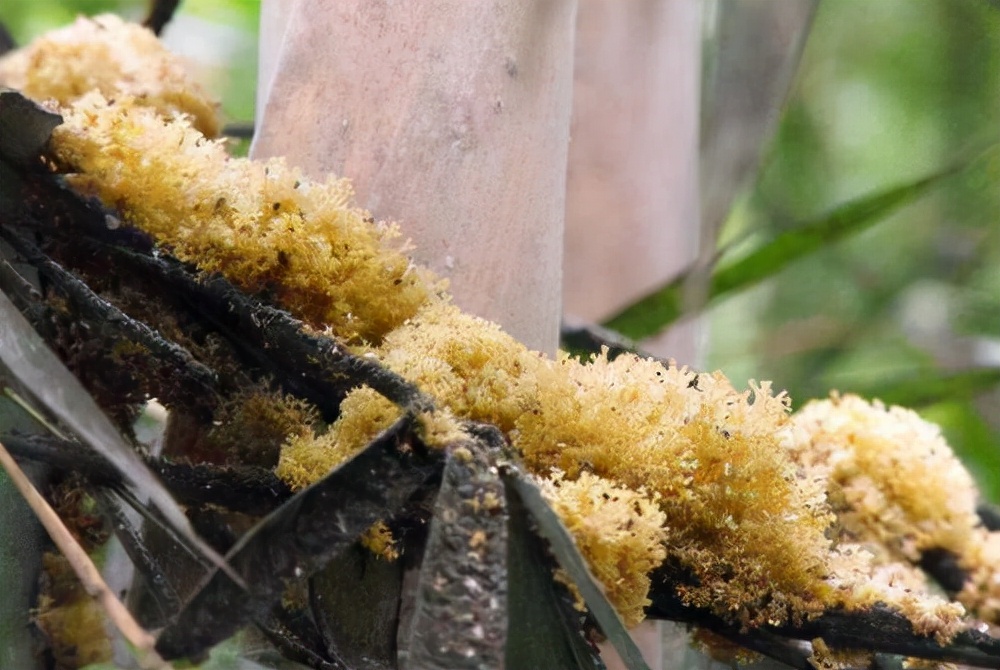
<point>84,568</point>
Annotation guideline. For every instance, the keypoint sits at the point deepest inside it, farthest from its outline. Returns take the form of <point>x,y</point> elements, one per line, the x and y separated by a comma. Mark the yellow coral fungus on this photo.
<point>712,453</point>
<point>619,531</point>
<point>718,479</point>
<point>892,478</point>
<point>307,456</point>
<point>261,224</point>
<point>251,427</point>
<point>709,451</point>
<point>898,490</point>
<point>71,620</point>
<point>116,58</point>
<point>981,593</point>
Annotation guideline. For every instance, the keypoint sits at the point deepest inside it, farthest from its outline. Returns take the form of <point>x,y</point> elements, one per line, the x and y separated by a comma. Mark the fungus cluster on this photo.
<point>776,517</point>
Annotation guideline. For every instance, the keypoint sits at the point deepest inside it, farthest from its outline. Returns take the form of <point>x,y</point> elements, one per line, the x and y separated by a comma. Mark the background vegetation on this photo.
<point>886,93</point>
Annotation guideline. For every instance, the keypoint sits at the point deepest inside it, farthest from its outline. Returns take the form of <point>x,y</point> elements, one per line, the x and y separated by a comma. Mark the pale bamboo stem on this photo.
<point>451,117</point>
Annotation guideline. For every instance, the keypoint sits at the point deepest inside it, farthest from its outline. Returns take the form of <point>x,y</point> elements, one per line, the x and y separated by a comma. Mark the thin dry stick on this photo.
<point>84,568</point>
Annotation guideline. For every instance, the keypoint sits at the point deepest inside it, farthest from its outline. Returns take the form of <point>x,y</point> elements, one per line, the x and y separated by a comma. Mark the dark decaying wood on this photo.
<point>877,629</point>
<point>247,489</point>
<point>460,621</point>
<point>299,538</point>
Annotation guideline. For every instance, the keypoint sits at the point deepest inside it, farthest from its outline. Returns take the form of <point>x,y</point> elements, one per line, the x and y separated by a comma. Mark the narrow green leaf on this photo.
<point>933,386</point>
<point>749,67</point>
<point>564,548</point>
<point>658,309</point>
<point>540,630</point>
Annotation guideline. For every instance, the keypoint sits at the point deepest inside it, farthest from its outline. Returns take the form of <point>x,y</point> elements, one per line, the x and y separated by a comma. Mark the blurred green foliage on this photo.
<point>886,92</point>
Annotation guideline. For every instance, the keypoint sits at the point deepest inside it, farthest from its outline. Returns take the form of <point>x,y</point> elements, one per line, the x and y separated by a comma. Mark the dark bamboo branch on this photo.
<point>7,42</point>
<point>242,130</point>
<point>300,537</point>
<point>316,366</point>
<point>293,633</point>
<point>196,378</point>
<point>877,629</point>
<point>161,12</point>
<point>246,489</point>
<point>589,338</point>
<point>269,340</point>
<point>990,516</point>
<point>148,565</point>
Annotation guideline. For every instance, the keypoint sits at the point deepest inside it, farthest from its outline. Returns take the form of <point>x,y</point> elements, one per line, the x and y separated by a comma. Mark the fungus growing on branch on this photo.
<point>759,516</point>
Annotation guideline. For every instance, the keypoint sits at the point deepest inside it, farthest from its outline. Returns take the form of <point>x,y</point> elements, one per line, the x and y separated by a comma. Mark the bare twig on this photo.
<point>7,42</point>
<point>160,14</point>
<point>84,568</point>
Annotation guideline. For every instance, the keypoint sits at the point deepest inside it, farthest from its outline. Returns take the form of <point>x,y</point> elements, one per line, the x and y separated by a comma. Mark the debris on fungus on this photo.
<point>774,517</point>
<point>379,540</point>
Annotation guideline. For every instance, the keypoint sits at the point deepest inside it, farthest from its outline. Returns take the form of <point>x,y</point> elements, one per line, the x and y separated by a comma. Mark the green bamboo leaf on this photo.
<point>658,309</point>
<point>932,386</point>
<point>540,629</point>
<point>564,549</point>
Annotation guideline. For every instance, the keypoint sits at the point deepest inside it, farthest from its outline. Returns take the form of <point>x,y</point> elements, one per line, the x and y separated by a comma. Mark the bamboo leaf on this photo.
<point>748,70</point>
<point>25,127</point>
<point>355,601</point>
<point>459,618</point>
<point>562,546</point>
<point>22,541</point>
<point>933,386</point>
<point>539,625</point>
<point>658,309</point>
